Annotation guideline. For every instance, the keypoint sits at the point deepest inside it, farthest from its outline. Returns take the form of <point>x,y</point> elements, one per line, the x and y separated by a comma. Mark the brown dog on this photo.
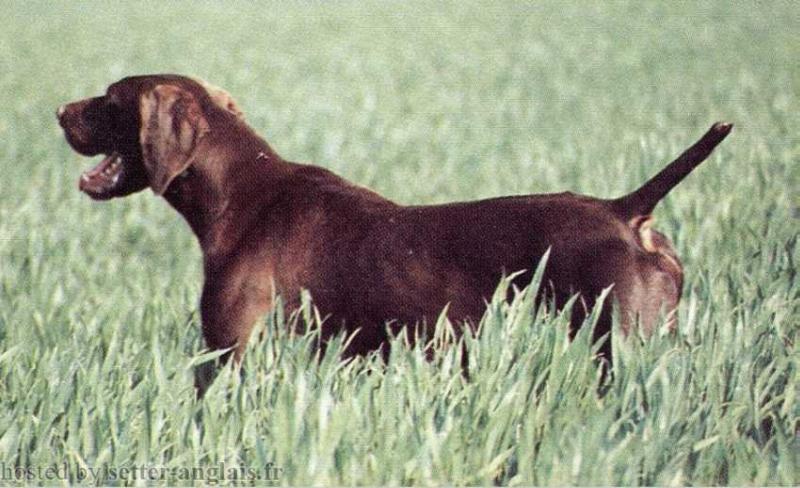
<point>268,226</point>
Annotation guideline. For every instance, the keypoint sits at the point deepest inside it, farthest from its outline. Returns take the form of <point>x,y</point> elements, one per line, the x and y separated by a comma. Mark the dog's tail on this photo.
<point>642,201</point>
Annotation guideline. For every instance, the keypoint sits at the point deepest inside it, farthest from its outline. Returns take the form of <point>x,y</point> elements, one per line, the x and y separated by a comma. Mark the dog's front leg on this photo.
<point>230,307</point>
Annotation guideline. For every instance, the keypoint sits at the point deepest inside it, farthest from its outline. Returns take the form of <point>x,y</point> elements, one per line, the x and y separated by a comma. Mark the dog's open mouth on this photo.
<point>101,181</point>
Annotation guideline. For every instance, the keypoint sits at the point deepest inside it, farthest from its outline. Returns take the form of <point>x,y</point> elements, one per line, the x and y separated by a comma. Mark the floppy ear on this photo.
<point>221,98</point>
<point>172,126</point>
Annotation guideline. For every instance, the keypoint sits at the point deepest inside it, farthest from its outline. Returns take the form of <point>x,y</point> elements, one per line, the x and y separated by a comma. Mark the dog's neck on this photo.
<point>204,194</point>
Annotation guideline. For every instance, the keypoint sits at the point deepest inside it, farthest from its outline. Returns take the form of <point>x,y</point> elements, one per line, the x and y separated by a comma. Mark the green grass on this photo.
<point>425,103</point>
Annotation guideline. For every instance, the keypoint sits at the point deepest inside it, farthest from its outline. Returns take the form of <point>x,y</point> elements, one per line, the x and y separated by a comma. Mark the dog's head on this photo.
<point>148,127</point>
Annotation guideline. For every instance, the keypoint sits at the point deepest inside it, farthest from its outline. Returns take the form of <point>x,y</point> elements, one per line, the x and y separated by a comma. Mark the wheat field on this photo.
<point>424,103</point>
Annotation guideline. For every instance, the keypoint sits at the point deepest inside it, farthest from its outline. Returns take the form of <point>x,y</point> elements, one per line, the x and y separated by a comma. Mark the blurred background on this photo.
<point>424,102</point>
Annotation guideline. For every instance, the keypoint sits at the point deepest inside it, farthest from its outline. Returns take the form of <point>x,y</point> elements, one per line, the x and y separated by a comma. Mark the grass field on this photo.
<point>424,103</point>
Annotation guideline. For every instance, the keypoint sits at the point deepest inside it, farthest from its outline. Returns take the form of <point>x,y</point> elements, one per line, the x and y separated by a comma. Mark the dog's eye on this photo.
<point>115,123</point>
<point>113,113</point>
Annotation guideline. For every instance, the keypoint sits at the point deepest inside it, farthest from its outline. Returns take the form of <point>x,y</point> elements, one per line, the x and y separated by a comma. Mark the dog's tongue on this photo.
<point>102,174</point>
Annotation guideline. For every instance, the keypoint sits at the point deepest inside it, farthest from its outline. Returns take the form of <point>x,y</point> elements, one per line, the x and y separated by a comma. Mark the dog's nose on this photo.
<point>61,116</point>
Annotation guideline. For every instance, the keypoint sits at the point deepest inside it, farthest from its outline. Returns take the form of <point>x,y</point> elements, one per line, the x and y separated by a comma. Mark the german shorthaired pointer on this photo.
<point>268,226</point>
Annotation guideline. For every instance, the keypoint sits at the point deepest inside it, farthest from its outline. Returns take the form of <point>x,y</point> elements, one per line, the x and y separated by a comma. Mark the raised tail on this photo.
<point>642,201</point>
